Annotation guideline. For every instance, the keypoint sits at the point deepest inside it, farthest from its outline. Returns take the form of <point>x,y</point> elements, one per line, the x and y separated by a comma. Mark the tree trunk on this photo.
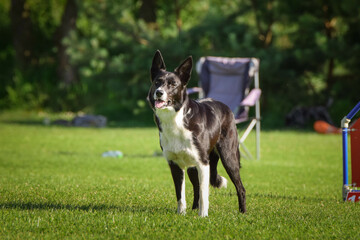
<point>178,16</point>
<point>329,24</point>
<point>21,33</point>
<point>265,36</point>
<point>148,11</point>
<point>65,71</point>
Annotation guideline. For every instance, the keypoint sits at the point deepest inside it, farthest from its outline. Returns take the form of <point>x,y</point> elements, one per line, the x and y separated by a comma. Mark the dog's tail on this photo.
<point>218,181</point>
<point>215,179</point>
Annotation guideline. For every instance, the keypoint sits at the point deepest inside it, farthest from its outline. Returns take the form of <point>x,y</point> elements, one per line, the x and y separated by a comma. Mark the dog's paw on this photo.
<point>181,211</point>
<point>223,183</point>
<point>203,213</point>
<point>181,208</point>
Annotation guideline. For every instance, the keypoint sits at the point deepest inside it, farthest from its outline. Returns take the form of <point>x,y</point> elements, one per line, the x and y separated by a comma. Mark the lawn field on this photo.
<point>54,184</point>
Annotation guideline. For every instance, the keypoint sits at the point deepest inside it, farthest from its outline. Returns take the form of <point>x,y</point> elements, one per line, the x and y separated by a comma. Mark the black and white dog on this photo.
<point>193,135</point>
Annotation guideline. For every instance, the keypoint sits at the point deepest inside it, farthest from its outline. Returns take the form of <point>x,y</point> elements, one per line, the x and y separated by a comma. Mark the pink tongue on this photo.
<point>159,104</point>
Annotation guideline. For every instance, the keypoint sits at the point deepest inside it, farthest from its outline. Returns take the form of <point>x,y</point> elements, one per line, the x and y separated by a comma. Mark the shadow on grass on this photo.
<point>25,122</point>
<point>282,197</point>
<point>86,208</point>
<point>292,197</point>
<point>111,124</point>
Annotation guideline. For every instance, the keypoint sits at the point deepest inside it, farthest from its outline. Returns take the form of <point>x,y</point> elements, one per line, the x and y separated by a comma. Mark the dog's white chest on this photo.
<point>176,140</point>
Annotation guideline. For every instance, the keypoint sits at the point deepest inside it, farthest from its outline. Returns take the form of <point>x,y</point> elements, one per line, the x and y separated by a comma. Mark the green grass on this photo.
<point>54,184</point>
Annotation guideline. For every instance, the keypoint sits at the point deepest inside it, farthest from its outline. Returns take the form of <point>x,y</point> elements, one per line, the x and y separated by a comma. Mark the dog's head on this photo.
<point>168,89</point>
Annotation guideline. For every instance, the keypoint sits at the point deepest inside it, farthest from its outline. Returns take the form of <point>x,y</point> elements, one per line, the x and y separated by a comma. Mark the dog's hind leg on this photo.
<point>178,175</point>
<point>215,179</point>
<point>194,179</point>
<point>228,149</point>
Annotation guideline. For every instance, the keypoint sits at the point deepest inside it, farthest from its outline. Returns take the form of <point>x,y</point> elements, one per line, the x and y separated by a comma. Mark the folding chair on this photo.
<point>228,80</point>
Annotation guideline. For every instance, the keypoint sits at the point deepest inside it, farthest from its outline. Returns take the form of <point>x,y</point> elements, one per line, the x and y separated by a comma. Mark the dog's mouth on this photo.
<point>159,104</point>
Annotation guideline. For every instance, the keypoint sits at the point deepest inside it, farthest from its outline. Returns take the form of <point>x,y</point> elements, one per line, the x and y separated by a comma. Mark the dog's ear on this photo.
<point>184,70</point>
<point>157,65</point>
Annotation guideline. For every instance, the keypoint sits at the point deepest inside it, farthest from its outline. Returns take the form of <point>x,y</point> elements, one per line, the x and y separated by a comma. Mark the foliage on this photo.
<point>308,52</point>
<point>55,185</point>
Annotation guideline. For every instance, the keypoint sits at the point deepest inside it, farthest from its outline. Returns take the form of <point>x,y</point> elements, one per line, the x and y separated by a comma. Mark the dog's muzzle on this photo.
<point>160,97</point>
<point>159,93</point>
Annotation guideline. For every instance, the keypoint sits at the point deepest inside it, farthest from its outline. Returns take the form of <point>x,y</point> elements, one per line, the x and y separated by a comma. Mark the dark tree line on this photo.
<point>95,55</point>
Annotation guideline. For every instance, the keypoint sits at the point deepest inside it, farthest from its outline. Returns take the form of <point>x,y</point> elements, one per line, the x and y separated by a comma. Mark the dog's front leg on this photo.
<point>204,179</point>
<point>178,175</point>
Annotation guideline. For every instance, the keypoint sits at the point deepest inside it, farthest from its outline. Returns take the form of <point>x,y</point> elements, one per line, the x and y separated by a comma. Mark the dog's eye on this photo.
<point>172,82</point>
<point>157,82</point>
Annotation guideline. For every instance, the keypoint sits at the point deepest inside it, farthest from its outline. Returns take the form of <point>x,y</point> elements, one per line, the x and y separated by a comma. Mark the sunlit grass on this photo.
<point>55,184</point>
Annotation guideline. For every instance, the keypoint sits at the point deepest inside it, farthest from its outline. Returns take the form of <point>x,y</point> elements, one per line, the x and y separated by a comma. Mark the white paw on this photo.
<point>203,213</point>
<point>181,208</point>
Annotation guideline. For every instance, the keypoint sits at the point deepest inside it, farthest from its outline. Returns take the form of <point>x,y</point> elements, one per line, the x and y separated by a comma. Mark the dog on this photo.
<point>193,136</point>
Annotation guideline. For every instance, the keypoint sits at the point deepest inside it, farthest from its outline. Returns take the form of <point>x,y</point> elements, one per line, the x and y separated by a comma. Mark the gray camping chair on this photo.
<point>228,80</point>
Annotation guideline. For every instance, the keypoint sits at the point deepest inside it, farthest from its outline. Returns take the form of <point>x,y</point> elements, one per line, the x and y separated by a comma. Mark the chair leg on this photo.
<point>248,130</point>
<point>247,154</point>
<point>258,139</point>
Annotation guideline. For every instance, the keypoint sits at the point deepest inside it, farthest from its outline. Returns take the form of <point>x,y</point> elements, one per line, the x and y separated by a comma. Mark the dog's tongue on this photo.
<point>159,104</point>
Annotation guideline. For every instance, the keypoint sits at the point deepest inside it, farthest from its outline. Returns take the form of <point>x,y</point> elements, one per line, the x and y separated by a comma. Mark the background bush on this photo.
<point>308,51</point>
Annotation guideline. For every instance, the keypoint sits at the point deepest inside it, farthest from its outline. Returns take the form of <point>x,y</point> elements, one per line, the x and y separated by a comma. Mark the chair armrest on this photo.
<point>193,90</point>
<point>251,98</point>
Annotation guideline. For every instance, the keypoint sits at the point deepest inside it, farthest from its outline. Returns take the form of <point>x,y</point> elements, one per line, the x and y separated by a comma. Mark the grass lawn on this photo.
<point>54,184</point>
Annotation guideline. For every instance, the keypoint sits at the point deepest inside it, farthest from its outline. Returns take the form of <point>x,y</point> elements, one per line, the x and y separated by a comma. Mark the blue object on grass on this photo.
<point>116,154</point>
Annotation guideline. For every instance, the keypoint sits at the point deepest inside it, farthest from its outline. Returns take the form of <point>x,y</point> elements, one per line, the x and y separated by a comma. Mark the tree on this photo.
<point>100,51</point>
<point>66,72</point>
<point>147,11</point>
<point>22,33</point>
<point>264,17</point>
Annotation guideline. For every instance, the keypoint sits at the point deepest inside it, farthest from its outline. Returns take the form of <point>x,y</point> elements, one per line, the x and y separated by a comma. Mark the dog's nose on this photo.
<point>159,93</point>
